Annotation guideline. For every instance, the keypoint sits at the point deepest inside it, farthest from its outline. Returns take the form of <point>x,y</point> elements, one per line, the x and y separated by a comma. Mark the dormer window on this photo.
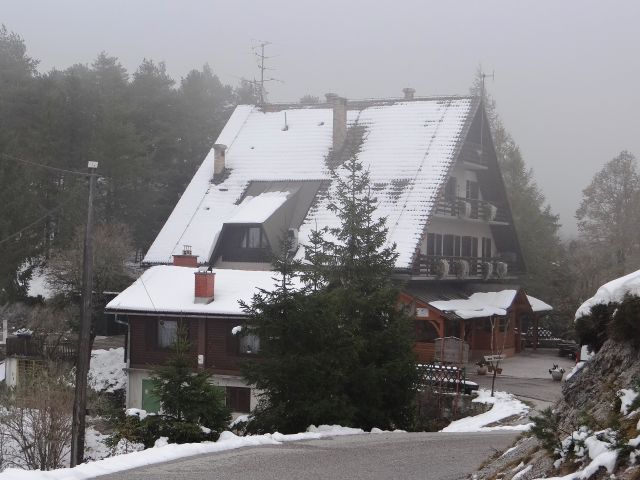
<point>254,237</point>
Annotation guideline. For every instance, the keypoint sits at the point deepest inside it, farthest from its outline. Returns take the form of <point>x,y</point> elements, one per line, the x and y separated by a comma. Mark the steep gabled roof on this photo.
<point>407,146</point>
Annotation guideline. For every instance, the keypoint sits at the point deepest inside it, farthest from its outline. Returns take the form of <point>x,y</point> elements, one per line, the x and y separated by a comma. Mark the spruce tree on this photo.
<point>189,401</point>
<point>305,356</point>
<point>357,274</point>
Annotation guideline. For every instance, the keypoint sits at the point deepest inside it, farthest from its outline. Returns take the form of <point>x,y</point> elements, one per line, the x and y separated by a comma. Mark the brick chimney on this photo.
<point>186,259</point>
<point>339,105</point>
<point>409,93</point>
<point>219,153</point>
<point>204,286</point>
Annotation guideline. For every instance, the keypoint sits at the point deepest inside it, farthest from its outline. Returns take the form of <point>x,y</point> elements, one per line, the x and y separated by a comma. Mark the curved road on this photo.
<point>424,456</point>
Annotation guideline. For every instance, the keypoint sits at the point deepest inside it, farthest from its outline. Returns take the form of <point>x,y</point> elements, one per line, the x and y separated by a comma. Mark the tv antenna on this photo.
<point>259,52</point>
<point>483,76</point>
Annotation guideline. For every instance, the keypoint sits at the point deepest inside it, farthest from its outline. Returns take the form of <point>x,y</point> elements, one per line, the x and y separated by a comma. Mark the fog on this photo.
<point>566,73</point>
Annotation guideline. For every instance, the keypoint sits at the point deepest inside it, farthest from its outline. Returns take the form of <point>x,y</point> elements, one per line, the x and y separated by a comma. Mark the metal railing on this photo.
<point>451,267</point>
<point>471,208</point>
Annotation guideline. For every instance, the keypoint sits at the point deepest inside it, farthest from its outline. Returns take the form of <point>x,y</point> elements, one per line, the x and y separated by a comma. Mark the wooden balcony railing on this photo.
<point>34,347</point>
<point>471,208</point>
<point>449,267</point>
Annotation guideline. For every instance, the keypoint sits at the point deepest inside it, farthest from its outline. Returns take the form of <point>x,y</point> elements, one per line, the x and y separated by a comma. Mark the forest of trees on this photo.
<point>147,132</point>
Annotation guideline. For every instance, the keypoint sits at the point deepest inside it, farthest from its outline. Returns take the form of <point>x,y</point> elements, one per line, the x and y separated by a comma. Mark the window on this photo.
<point>451,189</point>
<point>473,192</point>
<point>447,245</point>
<point>238,399</point>
<point>425,331</point>
<point>486,247</point>
<point>167,333</point>
<point>466,246</point>
<point>249,344</point>
<point>434,244</point>
<point>254,238</point>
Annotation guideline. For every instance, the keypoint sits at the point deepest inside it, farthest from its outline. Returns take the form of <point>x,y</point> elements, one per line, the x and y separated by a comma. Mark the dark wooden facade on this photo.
<point>209,337</point>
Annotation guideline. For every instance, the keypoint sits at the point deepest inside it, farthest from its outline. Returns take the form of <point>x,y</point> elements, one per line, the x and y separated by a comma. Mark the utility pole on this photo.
<point>84,338</point>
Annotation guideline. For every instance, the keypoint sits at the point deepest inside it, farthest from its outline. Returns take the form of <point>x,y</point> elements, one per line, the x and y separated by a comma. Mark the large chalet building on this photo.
<point>434,171</point>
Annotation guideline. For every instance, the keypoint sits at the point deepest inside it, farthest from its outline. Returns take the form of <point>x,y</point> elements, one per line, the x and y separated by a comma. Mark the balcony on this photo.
<point>472,209</point>
<point>451,268</point>
<point>34,347</point>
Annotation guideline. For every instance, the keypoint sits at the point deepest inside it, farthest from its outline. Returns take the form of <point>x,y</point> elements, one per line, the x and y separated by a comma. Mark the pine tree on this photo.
<point>305,355</point>
<point>189,400</point>
<point>360,288</point>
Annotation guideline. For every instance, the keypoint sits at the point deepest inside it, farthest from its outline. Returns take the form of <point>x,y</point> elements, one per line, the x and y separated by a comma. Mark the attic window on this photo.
<point>253,237</point>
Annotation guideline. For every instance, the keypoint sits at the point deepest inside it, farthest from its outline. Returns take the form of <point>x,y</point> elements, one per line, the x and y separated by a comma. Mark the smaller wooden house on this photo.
<point>488,321</point>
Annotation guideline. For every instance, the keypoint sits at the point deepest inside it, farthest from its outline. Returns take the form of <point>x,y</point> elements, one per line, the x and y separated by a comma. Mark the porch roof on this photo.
<point>485,304</point>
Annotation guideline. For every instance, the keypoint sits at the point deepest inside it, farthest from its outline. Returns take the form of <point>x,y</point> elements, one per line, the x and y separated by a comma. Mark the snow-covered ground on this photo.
<point>107,371</point>
<point>167,452</point>
<point>504,406</point>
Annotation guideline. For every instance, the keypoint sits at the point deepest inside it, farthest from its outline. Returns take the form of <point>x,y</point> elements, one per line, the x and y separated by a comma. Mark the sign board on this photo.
<point>494,358</point>
<point>451,350</point>
<point>422,312</point>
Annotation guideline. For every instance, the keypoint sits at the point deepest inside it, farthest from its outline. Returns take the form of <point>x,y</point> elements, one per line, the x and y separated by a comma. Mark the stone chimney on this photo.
<point>204,286</point>
<point>186,259</point>
<point>339,105</point>
<point>219,158</point>
<point>409,93</point>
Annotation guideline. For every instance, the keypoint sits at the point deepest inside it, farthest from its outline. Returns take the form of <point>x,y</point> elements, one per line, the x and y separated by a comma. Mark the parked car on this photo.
<point>568,348</point>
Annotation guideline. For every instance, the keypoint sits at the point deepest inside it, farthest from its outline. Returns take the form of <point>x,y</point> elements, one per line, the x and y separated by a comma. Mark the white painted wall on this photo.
<point>462,175</point>
<point>136,376</point>
<point>11,371</point>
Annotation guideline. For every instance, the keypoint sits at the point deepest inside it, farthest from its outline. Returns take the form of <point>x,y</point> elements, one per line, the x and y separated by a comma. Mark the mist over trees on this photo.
<point>147,131</point>
<point>548,275</point>
<point>609,221</point>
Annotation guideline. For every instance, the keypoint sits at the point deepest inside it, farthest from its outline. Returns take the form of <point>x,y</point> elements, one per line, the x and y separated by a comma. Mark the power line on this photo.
<point>48,167</point>
<point>35,222</point>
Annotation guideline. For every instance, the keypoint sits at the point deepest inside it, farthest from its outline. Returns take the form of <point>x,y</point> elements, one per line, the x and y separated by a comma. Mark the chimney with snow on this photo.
<point>409,93</point>
<point>204,286</point>
<point>219,152</point>
<point>339,105</point>
<point>186,259</point>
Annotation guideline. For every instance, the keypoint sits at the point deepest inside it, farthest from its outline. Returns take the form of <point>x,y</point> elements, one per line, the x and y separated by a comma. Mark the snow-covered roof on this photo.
<point>485,304</point>
<point>612,292</point>
<point>407,147</point>
<point>259,208</point>
<point>170,289</point>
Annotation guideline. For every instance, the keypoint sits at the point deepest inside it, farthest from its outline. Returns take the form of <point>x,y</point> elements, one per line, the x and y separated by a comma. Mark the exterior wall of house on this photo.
<point>462,228</point>
<point>137,376</point>
<point>11,371</point>
<point>210,338</point>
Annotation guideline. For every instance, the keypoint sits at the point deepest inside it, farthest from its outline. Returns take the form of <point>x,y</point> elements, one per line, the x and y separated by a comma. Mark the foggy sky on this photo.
<point>566,72</point>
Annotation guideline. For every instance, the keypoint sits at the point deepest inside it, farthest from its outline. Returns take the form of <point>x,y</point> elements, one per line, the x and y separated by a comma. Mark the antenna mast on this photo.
<point>482,77</point>
<point>258,51</point>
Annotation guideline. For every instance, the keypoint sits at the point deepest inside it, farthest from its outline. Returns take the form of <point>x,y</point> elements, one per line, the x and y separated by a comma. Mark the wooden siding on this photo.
<point>145,351</point>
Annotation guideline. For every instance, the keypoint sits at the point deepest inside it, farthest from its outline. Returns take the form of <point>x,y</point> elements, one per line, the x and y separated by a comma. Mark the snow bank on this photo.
<point>107,370</point>
<point>163,452</point>
<point>614,291</point>
<point>627,397</point>
<point>505,405</point>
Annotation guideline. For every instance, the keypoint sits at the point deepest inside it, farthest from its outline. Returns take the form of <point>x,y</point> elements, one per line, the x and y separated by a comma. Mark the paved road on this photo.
<point>424,456</point>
